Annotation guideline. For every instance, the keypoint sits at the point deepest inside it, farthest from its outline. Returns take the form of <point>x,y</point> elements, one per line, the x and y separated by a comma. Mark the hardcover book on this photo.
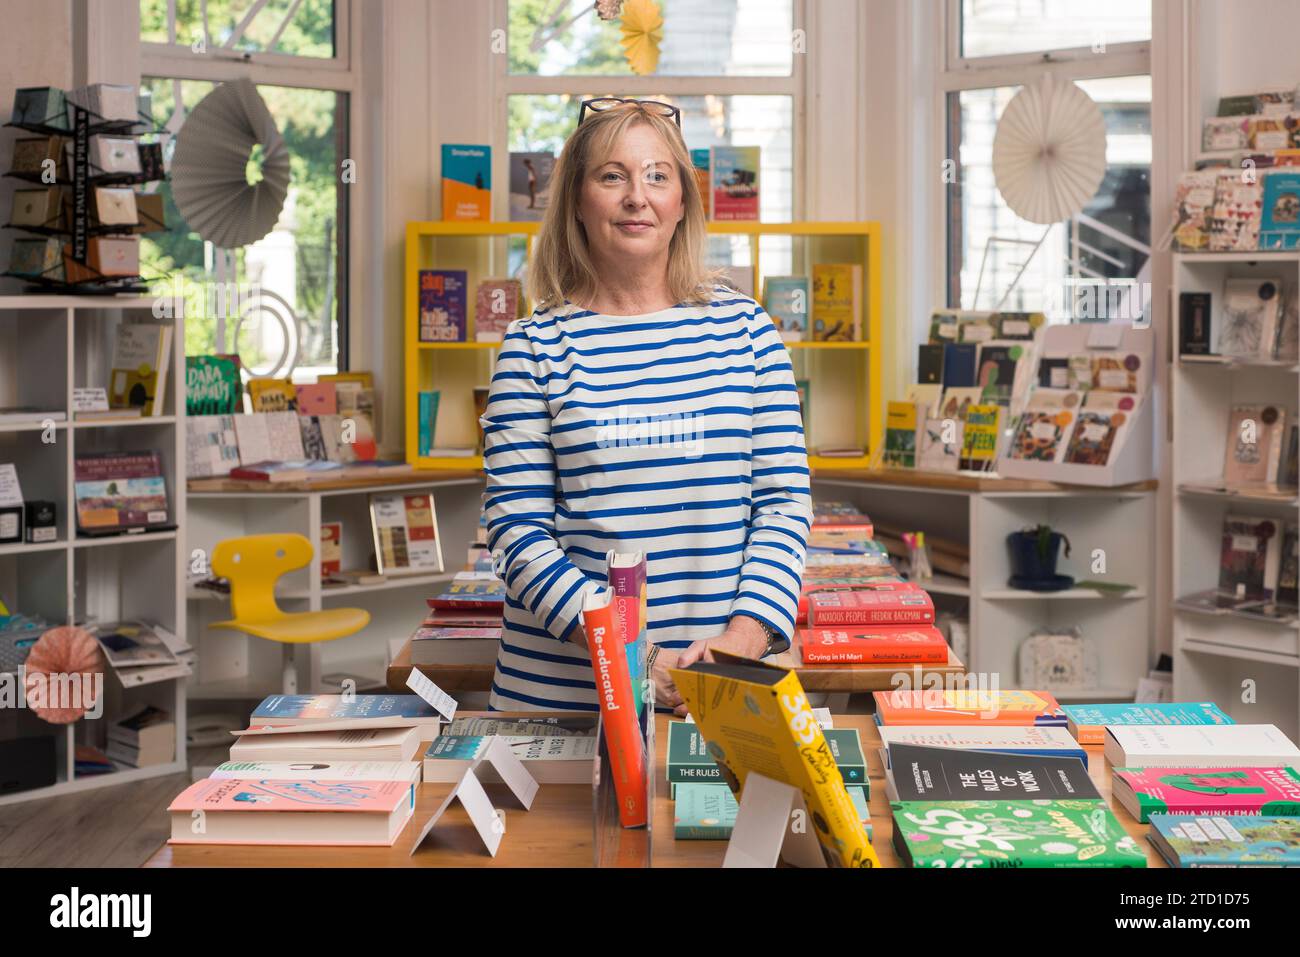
<point>707,812</point>
<point>996,364</point>
<point>119,491</point>
<point>1279,226</point>
<point>1041,741</point>
<point>1211,791</point>
<point>1060,833</point>
<point>929,363</point>
<point>317,398</point>
<point>1187,840</point>
<point>1097,428</point>
<point>756,718</point>
<point>1235,215</point>
<point>442,305</point>
<point>787,300</point>
<point>734,176</point>
<point>919,773</point>
<point>141,359</point>
<point>1194,319</point>
<point>956,707</point>
<point>959,365</point>
<point>1087,722</point>
<point>466,182</point>
<point>904,644</point>
<point>1200,746</point>
<point>907,604</point>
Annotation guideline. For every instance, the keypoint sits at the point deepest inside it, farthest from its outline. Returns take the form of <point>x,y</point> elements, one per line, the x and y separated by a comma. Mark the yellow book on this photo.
<point>837,302</point>
<point>141,357</point>
<point>272,395</point>
<point>755,718</point>
<point>980,438</point>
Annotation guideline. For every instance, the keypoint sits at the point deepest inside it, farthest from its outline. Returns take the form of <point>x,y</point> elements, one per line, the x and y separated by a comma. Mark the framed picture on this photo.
<point>406,534</point>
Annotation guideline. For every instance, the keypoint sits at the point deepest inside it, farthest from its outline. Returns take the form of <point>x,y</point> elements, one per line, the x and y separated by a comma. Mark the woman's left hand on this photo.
<point>744,636</point>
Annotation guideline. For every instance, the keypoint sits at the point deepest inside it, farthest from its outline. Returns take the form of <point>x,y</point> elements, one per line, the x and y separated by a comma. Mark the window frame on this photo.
<point>506,84</point>
<point>340,74</point>
<point>956,74</point>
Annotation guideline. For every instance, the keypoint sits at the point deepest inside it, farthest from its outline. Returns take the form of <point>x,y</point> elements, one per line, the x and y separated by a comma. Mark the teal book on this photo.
<point>428,421</point>
<point>1191,840</point>
<point>707,812</point>
<point>786,299</point>
<point>689,760</point>
<point>1049,834</point>
<point>1279,226</point>
<point>1087,722</point>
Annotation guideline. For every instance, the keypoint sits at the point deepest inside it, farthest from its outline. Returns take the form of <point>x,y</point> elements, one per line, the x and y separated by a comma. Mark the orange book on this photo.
<point>878,644</point>
<point>950,707</point>
<point>618,707</point>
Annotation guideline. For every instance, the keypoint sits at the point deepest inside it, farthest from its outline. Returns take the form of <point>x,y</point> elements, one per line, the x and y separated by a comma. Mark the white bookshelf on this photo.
<point>233,666</point>
<point>1120,521</point>
<point>1250,667</point>
<point>50,345</point>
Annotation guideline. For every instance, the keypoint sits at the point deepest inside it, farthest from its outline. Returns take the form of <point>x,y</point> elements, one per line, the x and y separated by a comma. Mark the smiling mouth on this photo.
<point>634,225</point>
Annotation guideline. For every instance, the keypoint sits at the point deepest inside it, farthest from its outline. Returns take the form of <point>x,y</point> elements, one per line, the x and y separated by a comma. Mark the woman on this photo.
<point>640,408</point>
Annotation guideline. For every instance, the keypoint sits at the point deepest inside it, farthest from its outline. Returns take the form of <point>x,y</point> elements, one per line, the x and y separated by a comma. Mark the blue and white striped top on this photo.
<point>676,433</point>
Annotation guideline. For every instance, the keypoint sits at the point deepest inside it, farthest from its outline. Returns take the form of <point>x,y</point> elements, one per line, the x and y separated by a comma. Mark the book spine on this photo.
<point>885,655</point>
<point>618,709</point>
<point>628,585</point>
<point>819,617</point>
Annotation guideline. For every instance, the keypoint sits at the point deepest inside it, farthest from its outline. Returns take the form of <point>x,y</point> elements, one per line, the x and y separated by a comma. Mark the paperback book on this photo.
<point>119,491</point>
<point>900,644</point>
<point>1051,742</point>
<point>1210,791</point>
<point>1188,840</point>
<point>918,773</point>
<point>443,305</point>
<point>1088,722</point>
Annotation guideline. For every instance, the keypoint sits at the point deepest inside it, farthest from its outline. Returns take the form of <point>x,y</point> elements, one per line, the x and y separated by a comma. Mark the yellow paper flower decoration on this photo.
<point>643,31</point>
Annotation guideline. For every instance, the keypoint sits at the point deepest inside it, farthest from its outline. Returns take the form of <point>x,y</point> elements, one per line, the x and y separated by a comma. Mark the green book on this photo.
<point>1062,833</point>
<point>707,812</point>
<point>689,760</point>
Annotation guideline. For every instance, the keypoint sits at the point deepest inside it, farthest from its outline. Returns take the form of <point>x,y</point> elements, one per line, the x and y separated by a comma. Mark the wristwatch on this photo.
<point>776,642</point>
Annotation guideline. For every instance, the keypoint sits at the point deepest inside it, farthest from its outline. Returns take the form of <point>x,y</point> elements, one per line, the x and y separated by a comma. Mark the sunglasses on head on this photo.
<point>601,104</point>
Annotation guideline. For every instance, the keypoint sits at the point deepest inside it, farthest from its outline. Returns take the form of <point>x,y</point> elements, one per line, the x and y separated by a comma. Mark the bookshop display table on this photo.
<point>559,831</point>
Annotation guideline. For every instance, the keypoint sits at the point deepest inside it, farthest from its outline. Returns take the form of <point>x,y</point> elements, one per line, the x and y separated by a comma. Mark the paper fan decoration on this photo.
<point>63,651</point>
<point>1049,152</point>
<point>643,31</point>
<point>210,167</point>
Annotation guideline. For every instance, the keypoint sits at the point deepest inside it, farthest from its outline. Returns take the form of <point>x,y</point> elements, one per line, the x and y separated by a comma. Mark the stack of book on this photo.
<point>146,738</point>
<point>463,623</point>
<point>856,608</point>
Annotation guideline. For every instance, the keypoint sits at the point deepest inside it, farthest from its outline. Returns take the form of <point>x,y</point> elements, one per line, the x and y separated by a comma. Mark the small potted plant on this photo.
<point>1033,559</point>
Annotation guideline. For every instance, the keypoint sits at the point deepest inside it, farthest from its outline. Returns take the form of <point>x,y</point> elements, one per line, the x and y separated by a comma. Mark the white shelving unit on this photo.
<point>1121,522</point>
<point>1251,668</point>
<point>50,345</point>
<point>233,666</point>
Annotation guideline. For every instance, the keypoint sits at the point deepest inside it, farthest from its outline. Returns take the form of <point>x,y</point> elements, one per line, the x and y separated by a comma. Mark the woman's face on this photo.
<point>631,204</point>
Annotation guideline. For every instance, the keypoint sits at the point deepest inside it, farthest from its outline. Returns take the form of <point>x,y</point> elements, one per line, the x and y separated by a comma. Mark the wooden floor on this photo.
<point>117,826</point>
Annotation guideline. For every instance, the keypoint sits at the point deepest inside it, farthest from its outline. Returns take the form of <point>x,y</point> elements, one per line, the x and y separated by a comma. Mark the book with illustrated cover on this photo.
<point>1115,373</point>
<point>1087,722</point>
<point>1038,833</point>
<point>979,447</point>
<point>1193,201</point>
<point>836,302</point>
<point>1235,215</point>
<point>929,363</point>
<point>211,446</point>
<point>788,301</point>
<point>1254,840</point>
<point>331,548</point>
<point>569,724</point>
<point>690,761</point>
<point>1249,324</point>
<point>996,366</point>
<point>119,491</point>
<point>213,385</point>
<point>443,305</point>
<point>1097,428</point>
<point>466,182</point>
<point>626,576</point>
<point>310,709</point>
<point>756,718</point>
<point>141,359</point>
<point>497,303</point>
<point>530,185</point>
<point>269,437</point>
<point>955,401</point>
<point>707,812</point>
<point>900,436</point>
<point>1250,556</point>
<point>1043,426</point>
<point>734,177</point>
<point>272,395</point>
<point>1147,791</point>
<point>317,398</point>
<point>1279,226</point>
<point>935,454</point>
<point>406,535</point>
<point>918,773</point>
<point>1018,325</point>
<point>925,396</point>
<point>1254,446</point>
<point>408,771</point>
<point>549,758</point>
<point>1288,576</point>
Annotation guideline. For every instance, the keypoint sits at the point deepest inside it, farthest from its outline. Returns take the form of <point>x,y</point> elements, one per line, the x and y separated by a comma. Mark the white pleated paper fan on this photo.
<point>209,181</point>
<point>1049,152</point>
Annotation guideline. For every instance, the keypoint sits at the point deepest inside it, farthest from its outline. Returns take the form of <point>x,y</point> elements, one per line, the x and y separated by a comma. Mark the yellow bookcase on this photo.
<point>845,382</point>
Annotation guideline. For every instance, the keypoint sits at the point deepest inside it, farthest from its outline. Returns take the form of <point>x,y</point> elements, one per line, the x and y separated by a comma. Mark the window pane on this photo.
<point>700,38</point>
<point>1000,27</point>
<point>278,27</point>
<point>1110,239</point>
<point>298,265</point>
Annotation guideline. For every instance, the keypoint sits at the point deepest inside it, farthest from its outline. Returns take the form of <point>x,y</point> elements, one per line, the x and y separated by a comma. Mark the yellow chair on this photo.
<point>252,565</point>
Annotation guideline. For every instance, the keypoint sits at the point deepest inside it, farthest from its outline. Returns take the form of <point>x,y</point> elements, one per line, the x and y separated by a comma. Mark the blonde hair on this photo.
<point>561,267</point>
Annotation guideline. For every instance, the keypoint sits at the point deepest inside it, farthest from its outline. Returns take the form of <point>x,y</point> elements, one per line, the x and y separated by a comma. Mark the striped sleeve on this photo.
<point>519,497</point>
<point>781,515</point>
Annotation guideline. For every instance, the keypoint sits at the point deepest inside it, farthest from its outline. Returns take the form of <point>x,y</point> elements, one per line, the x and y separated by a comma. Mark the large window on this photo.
<point>994,258</point>
<point>290,315</point>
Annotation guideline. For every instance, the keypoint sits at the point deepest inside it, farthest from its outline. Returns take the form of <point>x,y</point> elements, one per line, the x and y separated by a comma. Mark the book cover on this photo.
<point>941,441</point>
<point>929,363</point>
<point>626,577</point>
<point>956,401</point>
<point>900,436</point>
<point>318,398</point>
<point>442,305</point>
<point>907,604</point>
<point>1288,577</point>
<point>1254,445</point>
<point>550,759</point>
<point>141,356</point>
<point>1211,791</point>
<point>1249,556</point>
<point>1279,226</point>
<point>1193,201</point>
<point>734,176</point>
<point>700,163</point>
<point>979,447</point>
<point>1044,833</point>
<point>755,718</point>
<point>1054,372</point>
<point>620,702</point>
<point>530,184</point>
<point>959,365</point>
<point>689,759</point>
<point>903,644</point>
<point>787,299</point>
<point>836,302</point>
<point>568,724</point>
<point>211,446</point>
<point>1054,742</point>
<point>1087,722</point>
<point>1097,428</point>
<point>918,773</point>
<point>995,372</point>
<point>272,395</point>
<point>957,707</point>
<point>314,708</point>
<point>1194,320</point>
<point>317,771</point>
<point>1188,840</point>
<point>1040,433</point>
<point>1200,746</point>
<point>466,182</point>
<point>707,812</point>
<point>497,303</point>
<point>119,491</point>
<point>1249,322</point>
<point>213,385</point>
<point>1235,215</point>
<point>428,423</point>
<point>405,530</point>
<point>331,548</point>
<point>1018,325</point>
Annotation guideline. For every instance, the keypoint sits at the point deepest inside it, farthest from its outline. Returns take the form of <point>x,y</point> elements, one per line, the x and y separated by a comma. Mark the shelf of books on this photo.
<point>1236,520</point>
<point>820,281</point>
<point>90,535</point>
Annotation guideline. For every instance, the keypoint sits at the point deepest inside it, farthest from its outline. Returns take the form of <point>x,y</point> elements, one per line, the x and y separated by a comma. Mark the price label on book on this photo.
<point>438,699</point>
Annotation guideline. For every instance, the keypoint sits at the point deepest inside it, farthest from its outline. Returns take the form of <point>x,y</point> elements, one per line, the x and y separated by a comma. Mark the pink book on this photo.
<point>320,398</point>
<point>1147,791</point>
<point>216,811</point>
<point>910,606</point>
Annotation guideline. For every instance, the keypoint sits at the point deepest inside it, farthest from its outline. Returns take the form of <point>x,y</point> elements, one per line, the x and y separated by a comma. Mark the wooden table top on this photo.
<point>331,483</point>
<point>558,831</point>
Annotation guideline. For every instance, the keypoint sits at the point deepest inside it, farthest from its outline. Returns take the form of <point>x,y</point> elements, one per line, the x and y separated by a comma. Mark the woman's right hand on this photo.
<point>666,693</point>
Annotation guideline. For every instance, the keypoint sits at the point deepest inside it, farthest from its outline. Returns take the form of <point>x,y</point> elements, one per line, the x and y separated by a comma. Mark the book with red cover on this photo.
<point>627,579</point>
<point>957,707</point>
<point>831,583</point>
<point>618,706</point>
<point>904,603</point>
<point>878,644</point>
